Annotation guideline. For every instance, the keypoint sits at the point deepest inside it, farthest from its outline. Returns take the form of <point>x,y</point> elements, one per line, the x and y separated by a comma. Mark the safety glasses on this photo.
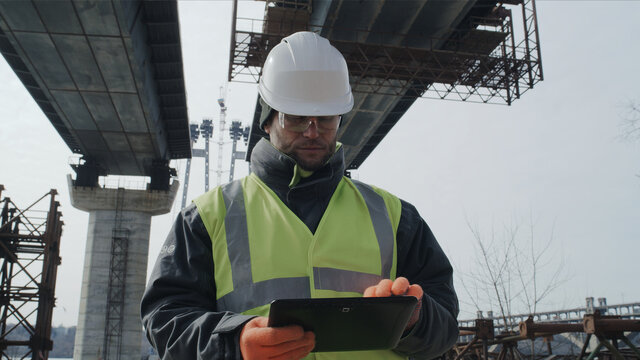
<point>301,123</point>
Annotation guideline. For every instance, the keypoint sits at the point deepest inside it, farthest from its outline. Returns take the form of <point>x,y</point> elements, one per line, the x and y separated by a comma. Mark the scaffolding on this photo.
<point>29,259</point>
<point>602,331</point>
<point>535,340</point>
<point>624,311</point>
<point>480,61</point>
<point>117,280</point>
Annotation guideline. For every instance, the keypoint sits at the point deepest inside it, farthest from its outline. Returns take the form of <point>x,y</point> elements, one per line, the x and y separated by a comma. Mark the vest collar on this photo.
<point>277,169</point>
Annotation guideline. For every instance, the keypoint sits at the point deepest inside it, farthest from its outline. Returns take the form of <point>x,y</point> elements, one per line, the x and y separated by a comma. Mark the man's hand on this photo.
<point>400,286</point>
<point>258,341</point>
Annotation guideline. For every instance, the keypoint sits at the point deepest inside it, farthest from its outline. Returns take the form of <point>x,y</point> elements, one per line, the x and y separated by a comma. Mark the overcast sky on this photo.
<point>553,158</point>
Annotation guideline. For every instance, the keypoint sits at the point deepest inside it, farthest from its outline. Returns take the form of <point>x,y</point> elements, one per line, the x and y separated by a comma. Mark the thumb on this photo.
<point>256,322</point>
<point>415,290</point>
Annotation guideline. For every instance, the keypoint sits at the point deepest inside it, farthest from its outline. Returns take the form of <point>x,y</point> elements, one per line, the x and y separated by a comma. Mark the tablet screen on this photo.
<point>347,324</point>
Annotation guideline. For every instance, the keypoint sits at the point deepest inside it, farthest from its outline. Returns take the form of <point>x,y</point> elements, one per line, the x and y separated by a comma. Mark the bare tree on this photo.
<point>514,270</point>
<point>630,124</point>
<point>532,259</point>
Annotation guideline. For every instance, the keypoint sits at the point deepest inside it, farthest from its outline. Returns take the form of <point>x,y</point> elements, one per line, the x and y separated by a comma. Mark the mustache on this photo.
<point>312,143</point>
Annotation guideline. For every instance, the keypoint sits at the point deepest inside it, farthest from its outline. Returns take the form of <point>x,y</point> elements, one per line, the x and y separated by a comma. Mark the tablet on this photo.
<point>347,324</point>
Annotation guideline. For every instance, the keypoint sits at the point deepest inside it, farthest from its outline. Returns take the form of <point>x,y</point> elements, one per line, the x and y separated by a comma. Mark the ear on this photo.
<point>267,125</point>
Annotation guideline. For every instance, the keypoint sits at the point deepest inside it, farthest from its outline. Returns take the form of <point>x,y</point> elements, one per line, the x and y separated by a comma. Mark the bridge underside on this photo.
<point>109,76</point>
<point>400,51</point>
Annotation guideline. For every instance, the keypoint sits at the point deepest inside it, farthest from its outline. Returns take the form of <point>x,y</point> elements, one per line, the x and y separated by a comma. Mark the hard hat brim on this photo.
<point>339,105</point>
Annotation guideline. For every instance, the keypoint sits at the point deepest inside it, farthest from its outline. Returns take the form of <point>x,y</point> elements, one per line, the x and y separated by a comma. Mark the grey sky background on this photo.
<point>553,158</point>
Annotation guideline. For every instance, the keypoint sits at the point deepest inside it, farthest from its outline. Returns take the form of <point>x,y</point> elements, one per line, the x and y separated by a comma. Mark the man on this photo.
<point>295,228</point>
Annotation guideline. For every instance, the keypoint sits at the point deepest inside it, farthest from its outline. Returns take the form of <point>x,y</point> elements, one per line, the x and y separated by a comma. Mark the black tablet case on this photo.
<point>347,324</point>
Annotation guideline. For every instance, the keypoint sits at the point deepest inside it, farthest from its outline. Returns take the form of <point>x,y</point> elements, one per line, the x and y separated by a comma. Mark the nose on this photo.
<point>312,130</point>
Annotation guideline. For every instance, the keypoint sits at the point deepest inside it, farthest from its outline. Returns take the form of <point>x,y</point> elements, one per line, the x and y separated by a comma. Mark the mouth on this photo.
<point>313,150</point>
<point>311,147</point>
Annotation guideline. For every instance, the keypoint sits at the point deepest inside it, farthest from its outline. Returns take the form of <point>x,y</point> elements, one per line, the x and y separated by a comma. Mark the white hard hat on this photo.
<point>305,75</point>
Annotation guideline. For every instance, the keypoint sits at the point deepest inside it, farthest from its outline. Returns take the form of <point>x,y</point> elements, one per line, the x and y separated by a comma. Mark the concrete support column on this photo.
<point>126,211</point>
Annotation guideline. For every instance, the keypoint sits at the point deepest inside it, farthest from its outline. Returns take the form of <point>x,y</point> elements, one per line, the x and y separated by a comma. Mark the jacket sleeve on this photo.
<point>422,261</point>
<point>178,308</point>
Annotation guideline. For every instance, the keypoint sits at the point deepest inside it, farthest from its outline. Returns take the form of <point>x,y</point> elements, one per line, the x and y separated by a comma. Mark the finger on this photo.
<point>307,341</point>
<point>415,290</point>
<point>400,286</point>
<point>257,322</point>
<point>369,292</point>
<point>295,354</point>
<point>310,336</point>
<point>269,336</point>
<point>384,288</point>
<point>253,324</point>
<point>302,351</point>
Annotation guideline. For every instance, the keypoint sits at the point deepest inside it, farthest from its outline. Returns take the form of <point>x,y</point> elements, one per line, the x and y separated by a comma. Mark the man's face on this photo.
<point>310,149</point>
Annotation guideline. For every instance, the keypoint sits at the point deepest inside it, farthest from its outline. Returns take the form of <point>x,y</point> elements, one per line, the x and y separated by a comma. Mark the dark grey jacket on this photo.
<point>179,305</point>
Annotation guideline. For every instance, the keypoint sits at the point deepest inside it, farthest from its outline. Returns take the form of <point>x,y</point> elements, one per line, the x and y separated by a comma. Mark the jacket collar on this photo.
<point>278,170</point>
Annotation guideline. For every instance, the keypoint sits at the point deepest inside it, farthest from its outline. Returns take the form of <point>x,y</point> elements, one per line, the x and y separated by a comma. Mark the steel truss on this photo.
<point>490,339</point>
<point>624,311</point>
<point>29,259</point>
<point>481,62</point>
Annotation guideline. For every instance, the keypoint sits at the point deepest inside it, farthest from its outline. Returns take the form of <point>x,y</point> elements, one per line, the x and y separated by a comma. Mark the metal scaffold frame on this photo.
<point>117,281</point>
<point>602,331</point>
<point>624,311</point>
<point>482,62</point>
<point>482,341</point>
<point>29,259</point>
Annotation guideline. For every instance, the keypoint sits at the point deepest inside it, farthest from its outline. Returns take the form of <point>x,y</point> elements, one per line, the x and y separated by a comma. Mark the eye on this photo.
<point>296,119</point>
<point>327,119</point>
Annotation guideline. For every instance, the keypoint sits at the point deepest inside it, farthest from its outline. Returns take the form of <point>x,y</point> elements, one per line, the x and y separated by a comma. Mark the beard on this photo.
<point>313,164</point>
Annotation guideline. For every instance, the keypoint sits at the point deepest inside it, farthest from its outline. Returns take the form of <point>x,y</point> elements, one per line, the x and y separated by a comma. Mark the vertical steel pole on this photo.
<point>206,164</point>
<point>232,45</point>
<point>535,25</point>
<point>233,159</point>
<point>185,186</point>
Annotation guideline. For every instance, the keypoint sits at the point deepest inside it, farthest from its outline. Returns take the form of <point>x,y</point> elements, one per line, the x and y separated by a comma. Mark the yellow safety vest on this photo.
<point>262,251</point>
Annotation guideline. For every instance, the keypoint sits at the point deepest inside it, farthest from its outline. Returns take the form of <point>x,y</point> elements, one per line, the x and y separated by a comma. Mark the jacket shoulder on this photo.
<point>212,205</point>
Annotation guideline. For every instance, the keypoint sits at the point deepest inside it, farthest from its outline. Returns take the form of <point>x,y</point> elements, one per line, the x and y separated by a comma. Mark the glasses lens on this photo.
<point>302,123</point>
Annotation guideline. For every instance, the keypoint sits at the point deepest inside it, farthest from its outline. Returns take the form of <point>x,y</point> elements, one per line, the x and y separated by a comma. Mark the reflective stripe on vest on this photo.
<point>247,294</point>
<point>381,224</point>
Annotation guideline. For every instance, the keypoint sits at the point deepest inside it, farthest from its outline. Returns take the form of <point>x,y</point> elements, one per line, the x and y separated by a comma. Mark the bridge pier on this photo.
<point>115,268</point>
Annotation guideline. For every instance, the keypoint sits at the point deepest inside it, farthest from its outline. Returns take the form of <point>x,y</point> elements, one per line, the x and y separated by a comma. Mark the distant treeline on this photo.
<point>63,339</point>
